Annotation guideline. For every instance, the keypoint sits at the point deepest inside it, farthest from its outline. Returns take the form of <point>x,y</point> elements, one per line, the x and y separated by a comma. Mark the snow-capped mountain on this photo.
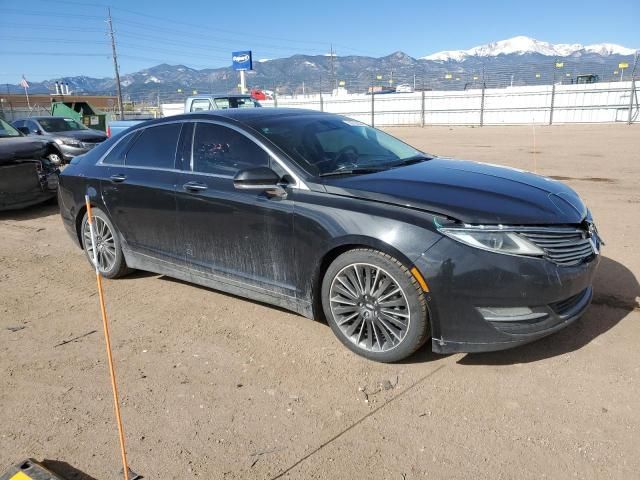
<point>521,45</point>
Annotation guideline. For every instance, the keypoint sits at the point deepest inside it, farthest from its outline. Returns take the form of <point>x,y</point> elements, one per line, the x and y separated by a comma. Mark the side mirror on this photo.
<point>260,179</point>
<point>37,131</point>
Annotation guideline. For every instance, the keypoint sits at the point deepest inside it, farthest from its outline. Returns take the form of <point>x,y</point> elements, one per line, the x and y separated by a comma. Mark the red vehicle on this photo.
<point>257,94</point>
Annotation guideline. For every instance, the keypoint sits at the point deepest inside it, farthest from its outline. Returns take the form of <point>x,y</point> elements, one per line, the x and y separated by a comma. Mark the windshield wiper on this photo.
<point>352,171</point>
<point>411,160</point>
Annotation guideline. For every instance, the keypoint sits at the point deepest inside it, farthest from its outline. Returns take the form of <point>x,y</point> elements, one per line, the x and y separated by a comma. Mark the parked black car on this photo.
<point>320,214</point>
<point>70,138</point>
<point>26,177</point>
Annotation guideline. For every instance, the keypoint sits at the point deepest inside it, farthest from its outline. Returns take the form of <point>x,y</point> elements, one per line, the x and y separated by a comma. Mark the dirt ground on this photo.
<point>214,386</point>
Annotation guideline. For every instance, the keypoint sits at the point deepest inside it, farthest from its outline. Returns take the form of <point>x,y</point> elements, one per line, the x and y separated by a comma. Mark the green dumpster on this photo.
<point>83,112</point>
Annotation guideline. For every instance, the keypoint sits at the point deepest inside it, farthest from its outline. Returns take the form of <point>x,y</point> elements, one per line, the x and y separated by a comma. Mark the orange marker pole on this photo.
<point>105,324</point>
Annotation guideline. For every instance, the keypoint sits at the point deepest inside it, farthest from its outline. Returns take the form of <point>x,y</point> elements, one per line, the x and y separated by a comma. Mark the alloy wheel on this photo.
<point>369,307</point>
<point>105,244</point>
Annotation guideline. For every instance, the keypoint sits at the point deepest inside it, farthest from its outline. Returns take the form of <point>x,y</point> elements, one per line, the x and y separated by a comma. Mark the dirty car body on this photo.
<point>26,177</point>
<point>504,257</point>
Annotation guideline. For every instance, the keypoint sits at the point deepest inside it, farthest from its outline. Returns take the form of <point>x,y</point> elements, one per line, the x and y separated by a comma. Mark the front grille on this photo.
<point>565,247</point>
<point>94,140</point>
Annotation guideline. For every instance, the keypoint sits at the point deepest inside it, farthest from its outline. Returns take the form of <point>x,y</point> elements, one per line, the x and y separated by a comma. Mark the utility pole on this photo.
<point>333,77</point>
<point>115,65</point>
<point>9,100</point>
<point>633,88</point>
<point>484,87</point>
<point>553,91</point>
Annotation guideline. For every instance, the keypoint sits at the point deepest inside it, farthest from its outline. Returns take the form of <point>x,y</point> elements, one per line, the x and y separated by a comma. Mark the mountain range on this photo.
<point>521,45</point>
<point>516,61</point>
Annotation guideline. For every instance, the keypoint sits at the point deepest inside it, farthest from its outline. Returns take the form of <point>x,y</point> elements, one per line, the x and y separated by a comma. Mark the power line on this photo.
<point>147,16</point>
<point>54,40</point>
<point>51,27</point>
<point>57,54</point>
<point>38,13</point>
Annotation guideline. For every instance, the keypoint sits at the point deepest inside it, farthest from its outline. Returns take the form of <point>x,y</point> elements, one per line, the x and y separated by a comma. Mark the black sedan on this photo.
<point>328,217</point>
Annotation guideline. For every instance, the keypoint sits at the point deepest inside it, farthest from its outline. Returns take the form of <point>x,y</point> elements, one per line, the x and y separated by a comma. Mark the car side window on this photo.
<point>32,126</point>
<point>200,104</point>
<point>222,103</point>
<point>117,153</point>
<point>155,147</point>
<point>223,151</point>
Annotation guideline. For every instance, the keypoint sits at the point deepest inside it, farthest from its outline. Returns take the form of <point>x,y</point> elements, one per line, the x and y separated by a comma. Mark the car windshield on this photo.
<point>59,124</point>
<point>7,130</point>
<point>327,145</point>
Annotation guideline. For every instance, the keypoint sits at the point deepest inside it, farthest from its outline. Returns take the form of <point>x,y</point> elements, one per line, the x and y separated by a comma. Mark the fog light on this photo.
<point>510,314</point>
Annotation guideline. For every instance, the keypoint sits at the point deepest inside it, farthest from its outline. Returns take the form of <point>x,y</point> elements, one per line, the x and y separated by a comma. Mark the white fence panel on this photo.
<point>585,103</point>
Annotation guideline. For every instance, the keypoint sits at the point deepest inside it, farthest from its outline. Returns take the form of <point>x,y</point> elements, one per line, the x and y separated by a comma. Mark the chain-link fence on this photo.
<point>10,113</point>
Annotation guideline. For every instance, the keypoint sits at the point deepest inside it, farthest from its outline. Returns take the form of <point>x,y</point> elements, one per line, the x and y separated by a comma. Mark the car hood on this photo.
<point>21,148</point>
<point>472,192</point>
<point>93,136</point>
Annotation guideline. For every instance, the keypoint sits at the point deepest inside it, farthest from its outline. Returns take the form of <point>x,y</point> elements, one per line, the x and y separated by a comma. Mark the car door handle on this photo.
<point>118,178</point>
<point>194,186</point>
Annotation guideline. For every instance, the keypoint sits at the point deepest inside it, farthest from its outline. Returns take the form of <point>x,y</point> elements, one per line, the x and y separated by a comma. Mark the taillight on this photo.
<point>109,132</point>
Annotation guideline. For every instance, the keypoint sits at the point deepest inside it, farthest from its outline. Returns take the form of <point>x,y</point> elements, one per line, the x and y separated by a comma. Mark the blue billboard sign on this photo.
<point>242,60</point>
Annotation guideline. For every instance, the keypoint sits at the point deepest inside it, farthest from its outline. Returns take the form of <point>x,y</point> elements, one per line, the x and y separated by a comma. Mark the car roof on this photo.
<point>247,116</point>
<point>250,114</point>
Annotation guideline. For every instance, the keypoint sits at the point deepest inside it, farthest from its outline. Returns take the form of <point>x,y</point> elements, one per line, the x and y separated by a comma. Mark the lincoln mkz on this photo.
<point>327,217</point>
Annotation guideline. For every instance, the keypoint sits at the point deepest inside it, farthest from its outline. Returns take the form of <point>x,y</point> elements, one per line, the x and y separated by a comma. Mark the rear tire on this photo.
<point>374,305</point>
<point>111,261</point>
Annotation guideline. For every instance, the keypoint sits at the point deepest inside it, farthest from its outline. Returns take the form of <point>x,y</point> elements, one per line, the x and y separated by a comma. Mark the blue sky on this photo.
<point>46,39</point>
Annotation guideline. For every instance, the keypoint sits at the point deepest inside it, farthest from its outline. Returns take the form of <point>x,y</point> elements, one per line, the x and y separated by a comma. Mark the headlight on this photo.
<point>72,142</point>
<point>494,241</point>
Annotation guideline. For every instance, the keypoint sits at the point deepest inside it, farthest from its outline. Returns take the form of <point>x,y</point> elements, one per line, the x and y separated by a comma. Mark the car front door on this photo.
<point>237,236</point>
<point>138,189</point>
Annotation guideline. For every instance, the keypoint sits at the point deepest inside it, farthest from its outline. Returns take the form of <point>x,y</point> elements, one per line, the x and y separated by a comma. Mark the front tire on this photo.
<point>111,261</point>
<point>55,158</point>
<point>374,305</point>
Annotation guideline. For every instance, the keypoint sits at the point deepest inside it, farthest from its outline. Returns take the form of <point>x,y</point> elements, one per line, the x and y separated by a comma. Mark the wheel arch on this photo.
<point>337,248</point>
<point>53,148</point>
<point>79,216</point>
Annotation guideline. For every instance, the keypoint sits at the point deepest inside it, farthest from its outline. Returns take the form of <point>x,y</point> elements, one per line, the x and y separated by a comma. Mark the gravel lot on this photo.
<point>214,386</point>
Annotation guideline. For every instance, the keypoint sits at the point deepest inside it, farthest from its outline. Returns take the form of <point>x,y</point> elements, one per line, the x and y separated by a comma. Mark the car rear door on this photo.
<point>138,189</point>
<point>235,235</point>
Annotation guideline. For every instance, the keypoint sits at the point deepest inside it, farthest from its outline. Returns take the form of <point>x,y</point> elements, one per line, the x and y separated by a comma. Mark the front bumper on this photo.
<point>464,282</point>
<point>69,152</point>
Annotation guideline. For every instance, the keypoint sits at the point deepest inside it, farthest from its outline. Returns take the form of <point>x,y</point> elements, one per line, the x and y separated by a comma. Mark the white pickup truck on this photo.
<point>196,103</point>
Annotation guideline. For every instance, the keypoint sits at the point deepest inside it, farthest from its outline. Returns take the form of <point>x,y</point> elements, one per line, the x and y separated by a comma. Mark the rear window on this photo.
<point>117,154</point>
<point>155,147</point>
